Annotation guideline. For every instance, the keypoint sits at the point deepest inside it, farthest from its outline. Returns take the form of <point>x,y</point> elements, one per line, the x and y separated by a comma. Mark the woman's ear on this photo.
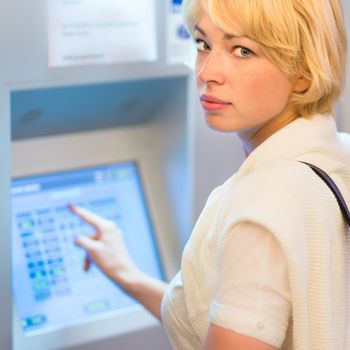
<point>301,84</point>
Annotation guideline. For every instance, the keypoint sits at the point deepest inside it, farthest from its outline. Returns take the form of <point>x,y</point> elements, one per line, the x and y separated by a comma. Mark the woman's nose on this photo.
<point>210,69</point>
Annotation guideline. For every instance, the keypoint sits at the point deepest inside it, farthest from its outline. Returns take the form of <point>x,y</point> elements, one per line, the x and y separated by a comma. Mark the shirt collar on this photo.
<point>303,135</point>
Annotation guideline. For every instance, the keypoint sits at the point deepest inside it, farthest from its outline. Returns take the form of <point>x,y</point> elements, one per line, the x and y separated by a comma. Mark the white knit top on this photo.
<point>273,190</point>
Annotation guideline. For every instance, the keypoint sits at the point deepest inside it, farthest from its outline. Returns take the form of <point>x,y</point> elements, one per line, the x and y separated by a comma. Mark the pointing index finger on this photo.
<point>89,217</point>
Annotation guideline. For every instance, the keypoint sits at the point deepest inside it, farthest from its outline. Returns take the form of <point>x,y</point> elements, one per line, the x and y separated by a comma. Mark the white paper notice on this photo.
<point>101,31</point>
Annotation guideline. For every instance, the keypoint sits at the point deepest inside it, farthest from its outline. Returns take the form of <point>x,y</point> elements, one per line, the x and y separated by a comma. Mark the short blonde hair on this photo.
<point>302,37</point>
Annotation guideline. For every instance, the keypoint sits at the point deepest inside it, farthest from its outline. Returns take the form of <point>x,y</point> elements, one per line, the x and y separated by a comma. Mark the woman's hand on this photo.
<point>106,248</point>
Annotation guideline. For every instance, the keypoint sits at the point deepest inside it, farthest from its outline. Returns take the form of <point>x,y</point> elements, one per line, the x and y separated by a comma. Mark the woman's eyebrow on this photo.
<point>199,30</point>
<point>226,36</point>
<point>231,36</point>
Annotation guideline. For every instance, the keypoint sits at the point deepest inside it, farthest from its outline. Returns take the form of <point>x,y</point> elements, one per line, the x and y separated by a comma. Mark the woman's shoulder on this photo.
<point>283,177</point>
<point>283,189</point>
<point>286,198</point>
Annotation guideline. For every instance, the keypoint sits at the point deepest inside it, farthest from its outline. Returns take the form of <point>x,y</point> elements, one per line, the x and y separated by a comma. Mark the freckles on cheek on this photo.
<point>251,87</point>
<point>271,91</point>
<point>258,101</point>
<point>256,84</point>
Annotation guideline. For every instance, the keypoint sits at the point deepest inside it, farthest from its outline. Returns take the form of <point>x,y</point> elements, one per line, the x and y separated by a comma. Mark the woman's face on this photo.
<point>240,89</point>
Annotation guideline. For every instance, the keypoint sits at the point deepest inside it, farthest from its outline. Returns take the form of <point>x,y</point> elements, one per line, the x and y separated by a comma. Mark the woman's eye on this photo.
<point>243,52</point>
<point>202,45</point>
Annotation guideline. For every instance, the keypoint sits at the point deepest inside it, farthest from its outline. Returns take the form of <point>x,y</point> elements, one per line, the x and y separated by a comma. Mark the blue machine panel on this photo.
<point>51,289</point>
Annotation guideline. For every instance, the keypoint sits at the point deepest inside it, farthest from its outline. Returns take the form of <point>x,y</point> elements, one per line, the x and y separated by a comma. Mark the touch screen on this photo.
<point>50,287</point>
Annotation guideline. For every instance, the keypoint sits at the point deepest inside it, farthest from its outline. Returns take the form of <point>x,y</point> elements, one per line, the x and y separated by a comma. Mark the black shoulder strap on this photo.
<point>333,187</point>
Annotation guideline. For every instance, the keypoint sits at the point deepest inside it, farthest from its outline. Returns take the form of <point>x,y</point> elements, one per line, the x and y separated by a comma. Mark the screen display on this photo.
<point>51,289</point>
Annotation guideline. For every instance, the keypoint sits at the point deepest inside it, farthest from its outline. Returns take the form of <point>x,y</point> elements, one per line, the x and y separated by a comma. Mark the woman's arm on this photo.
<point>106,248</point>
<point>145,289</point>
<point>223,339</point>
<point>252,297</point>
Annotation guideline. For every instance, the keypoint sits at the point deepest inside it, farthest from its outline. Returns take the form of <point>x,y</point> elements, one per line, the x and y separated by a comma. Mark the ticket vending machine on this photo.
<point>133,171</point>
<point>113,137</point>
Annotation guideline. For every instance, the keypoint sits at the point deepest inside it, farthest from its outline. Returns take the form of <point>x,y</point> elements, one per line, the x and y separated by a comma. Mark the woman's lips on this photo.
<point>213,104</point>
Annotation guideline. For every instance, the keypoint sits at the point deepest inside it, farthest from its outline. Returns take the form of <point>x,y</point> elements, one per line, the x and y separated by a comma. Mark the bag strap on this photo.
<point>333,187</point>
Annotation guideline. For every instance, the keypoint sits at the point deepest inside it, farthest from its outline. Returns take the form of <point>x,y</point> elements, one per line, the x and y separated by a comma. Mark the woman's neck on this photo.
<point>252,138</point>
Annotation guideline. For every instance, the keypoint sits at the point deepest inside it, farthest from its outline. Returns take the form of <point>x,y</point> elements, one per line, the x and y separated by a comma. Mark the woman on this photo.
<point>267,265</point>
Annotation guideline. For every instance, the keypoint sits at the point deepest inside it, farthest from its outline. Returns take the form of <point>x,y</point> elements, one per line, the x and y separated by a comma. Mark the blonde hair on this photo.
<point>303,37</point>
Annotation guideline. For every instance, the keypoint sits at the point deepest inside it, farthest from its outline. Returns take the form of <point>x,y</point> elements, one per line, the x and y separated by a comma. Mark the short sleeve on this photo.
<point>252,293</point>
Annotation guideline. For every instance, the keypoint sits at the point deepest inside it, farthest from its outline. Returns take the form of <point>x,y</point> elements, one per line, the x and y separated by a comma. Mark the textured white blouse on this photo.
<point>269,256</point>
